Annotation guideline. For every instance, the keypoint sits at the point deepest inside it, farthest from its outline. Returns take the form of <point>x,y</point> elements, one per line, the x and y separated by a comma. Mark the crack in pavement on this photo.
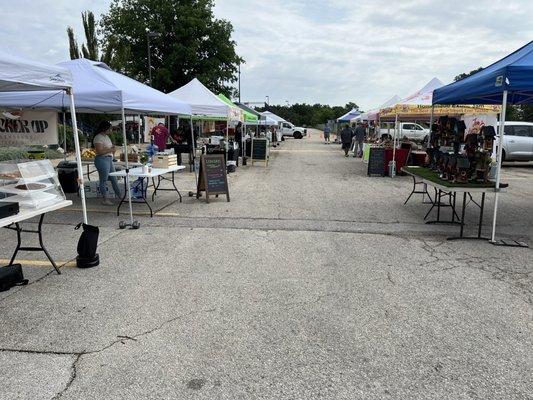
<point>79,354</point>
<point>73,375</point>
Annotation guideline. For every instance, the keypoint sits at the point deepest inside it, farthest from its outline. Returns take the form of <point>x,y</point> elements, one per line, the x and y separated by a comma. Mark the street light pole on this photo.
<point>268,100</point>
<point>239,82</point>
<point>148,36</point>
<point>149,59</point>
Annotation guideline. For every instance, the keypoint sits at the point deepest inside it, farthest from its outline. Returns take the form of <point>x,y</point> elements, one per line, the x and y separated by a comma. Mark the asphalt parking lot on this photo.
<point>314,282</point>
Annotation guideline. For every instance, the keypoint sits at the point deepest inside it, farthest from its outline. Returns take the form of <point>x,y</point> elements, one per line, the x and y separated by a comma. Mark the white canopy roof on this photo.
<point>273,116</point>
<point>372,115</point>
<point>17,73</point>
<point>201,100</point>
<point>268,121</point>
<point>424,96</point>
<point>99,89</point>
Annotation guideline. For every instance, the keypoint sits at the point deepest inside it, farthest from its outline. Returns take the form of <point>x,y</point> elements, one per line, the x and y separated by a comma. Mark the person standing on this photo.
<point>104,161</point>
<point>161,135</point>
<point>360,135</point>
<point>346,139</point>
<point>327,133</point>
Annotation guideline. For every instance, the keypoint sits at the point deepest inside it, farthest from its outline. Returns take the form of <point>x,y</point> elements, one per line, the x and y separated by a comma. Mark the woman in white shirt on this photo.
<point>104,160</point>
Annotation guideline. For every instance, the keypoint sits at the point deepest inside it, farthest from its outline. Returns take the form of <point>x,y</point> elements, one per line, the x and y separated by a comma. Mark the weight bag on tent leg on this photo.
<point>10,276</point>
<point>87,245</point>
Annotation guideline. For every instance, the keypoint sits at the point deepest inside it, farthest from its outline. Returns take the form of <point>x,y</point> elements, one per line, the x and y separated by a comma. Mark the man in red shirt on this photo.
<point>160,136</point>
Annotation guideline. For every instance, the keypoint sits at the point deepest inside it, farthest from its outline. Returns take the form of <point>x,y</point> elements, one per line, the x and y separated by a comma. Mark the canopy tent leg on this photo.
<point>127,177</point>
<point>139,129</point>
<point>431,124</point>
<point>499,168</point>
<point>393,170</point>
<point>64,136</point>
<point>78,155</point>
<point>193,153</point>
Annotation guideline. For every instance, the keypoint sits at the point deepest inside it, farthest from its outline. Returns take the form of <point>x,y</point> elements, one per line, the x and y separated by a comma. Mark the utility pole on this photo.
<point>148,36</point>
<point>239,82</point>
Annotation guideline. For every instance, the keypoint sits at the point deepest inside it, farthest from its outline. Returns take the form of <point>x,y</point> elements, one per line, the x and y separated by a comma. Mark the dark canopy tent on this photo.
<point>508,81</point>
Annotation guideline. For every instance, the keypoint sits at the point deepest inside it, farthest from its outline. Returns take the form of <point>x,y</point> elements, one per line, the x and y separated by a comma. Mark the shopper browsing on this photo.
<point>104,160</point>
<point>360,135</point>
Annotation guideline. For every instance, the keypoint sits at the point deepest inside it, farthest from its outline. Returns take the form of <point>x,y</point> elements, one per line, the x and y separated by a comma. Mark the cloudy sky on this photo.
<point>320,51</point>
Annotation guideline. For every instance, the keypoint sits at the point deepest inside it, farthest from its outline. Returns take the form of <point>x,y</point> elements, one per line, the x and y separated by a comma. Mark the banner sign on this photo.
<point>28,128</point>
<point>475,122</point>
<point>149,124</point>
<point>425,110</point>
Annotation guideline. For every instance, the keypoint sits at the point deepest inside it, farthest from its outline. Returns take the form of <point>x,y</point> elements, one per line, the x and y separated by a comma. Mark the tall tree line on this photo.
<point>307,114</point>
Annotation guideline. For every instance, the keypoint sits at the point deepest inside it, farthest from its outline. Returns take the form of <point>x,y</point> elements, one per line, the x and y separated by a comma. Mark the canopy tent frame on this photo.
<point>507,81</point>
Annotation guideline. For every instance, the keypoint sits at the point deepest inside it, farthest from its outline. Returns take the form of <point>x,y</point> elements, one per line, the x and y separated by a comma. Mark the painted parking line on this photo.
<point>38,263</point>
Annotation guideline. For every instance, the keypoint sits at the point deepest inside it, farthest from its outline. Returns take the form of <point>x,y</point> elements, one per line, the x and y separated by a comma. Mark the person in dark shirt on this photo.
<point>360,135</point>
<point>346,139</point>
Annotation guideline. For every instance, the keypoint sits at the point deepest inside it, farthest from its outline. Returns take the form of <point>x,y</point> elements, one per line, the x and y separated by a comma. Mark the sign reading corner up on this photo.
<point>31,127</point>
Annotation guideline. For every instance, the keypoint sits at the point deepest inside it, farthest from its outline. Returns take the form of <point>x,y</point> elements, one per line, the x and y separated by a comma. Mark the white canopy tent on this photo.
<point>273,116</point>
<point>18,74</point>
<point>100,90</point>
<point>373,114</point>
<point>268,121</point>
<point>202,101</point>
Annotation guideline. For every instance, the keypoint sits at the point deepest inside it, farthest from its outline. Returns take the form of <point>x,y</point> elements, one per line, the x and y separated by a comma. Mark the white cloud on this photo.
<point>320,51</point>
<point>366,51</point>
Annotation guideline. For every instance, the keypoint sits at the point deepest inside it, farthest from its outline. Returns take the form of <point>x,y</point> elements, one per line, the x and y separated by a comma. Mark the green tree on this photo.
<point>307,114</point>
<point>73,44</point>
<point>186,41</point>
<point>466,74</point>
<point>90,49</point>
<point>111,54</point>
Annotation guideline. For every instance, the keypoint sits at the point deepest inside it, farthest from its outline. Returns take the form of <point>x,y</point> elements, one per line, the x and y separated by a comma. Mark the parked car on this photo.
<point>412,130</point>
<point>518,141</point>
<point>288,129</point>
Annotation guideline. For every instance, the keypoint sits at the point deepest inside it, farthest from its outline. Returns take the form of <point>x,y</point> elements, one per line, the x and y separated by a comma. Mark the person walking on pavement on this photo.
<point>346,139</point>
<point>327,133</point>
<point>359,137</point>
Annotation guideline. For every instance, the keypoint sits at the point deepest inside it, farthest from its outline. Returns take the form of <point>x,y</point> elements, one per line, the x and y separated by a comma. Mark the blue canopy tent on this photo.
<point>507,81</point>
<point>349,116</point>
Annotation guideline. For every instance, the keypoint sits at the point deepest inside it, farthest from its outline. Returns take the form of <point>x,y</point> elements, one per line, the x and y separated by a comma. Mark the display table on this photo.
<point>89,163</point>
<point>158,173</point>
<point>448,189</point>
<point>24,215</point>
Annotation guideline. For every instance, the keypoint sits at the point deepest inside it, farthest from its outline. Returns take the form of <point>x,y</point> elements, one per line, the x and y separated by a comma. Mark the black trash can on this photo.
<point>67,173</point>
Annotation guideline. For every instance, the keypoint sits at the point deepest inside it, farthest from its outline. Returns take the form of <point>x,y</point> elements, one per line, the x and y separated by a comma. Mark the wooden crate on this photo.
<point>165,160</point>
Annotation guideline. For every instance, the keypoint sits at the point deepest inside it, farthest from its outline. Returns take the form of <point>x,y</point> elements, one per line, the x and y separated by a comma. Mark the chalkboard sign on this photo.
<point>260,150</point>
<point>213,179</point>
<point>376,161</point>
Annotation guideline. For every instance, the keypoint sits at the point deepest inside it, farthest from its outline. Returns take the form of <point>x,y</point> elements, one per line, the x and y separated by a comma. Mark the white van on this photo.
<point>518,141</point>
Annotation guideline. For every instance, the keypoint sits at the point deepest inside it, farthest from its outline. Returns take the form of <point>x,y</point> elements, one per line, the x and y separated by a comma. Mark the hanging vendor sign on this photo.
<point>28,128</point>
<point>475,122</point>
<point>235,114</point>
<point>149,124</point>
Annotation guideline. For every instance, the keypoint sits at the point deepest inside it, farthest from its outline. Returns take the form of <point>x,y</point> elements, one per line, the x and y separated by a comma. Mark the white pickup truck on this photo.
<point>288,129</point>
<point>411,130</point>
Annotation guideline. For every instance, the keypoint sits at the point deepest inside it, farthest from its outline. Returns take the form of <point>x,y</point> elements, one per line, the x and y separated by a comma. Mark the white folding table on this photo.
<point>24,215</point>
<point>158,173</point>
